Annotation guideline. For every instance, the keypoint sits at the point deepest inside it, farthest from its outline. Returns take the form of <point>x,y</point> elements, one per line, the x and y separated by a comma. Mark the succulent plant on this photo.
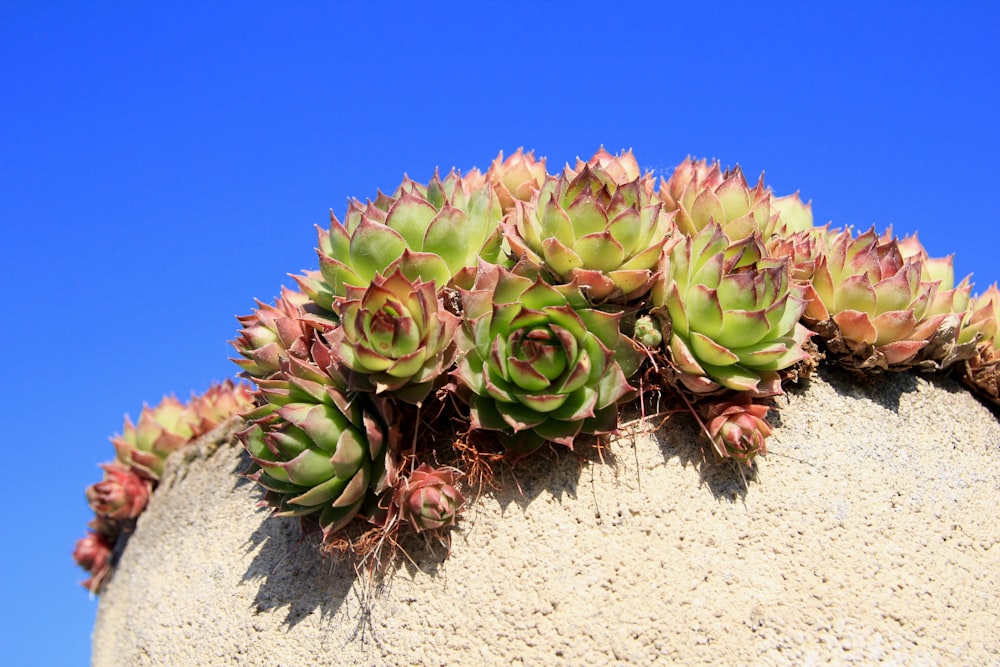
<point>982,371</point>
<point>620,169</point>
<point>801,249</point>
<point>539,362</point>
<point>272,333</point>
<point>93,554</point>
<point>703,194</point>
<point>737,428</point>
<point>691,172</point>
<point>122,495</point>
<point>217,405</point>
<point>731,313</point>
<point>395,335</point>
<point>871,305</point>
<point>428,499</point>
<point>516,178</point>
<point>793,215</point>
<point>427,233</point>
<point>145,445</point>
<point>317,448</point>
<point>587,227</point>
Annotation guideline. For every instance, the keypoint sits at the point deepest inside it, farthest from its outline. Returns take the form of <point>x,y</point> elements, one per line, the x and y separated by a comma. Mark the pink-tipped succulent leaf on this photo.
<point>703,194</point>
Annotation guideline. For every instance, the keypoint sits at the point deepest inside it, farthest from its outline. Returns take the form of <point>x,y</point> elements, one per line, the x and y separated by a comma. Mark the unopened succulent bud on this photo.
<point>648,332</point>
<point>738,428</point>
<point>121,495</point>
<point>93,554</point>
<point>428,498</point>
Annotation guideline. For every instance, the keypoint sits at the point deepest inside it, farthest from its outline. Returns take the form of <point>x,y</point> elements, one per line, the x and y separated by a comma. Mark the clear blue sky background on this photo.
<point>163,163</point>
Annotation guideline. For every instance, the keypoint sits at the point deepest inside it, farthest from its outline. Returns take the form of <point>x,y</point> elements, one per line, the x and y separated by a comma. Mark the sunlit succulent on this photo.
<point>794,216</point>
<point>272,333</point>
<point>982,370</point>
<point>160,431</point>
<point>428,233</point>
<point>703,194</point>
<point>428,499</point>
<point>121,495</point>
<point>983,318</point>
<point>801,250</point>
<point>93,554</point>
<point>317,448</point>
<point>737,428</point>
<point>620,169</point>
<point>586,227</point>
<point>691,172</point>
<point>731,313</point>
<point>538,361</point>
<point>395,335</point>
<point>871,305</point>
<point>218,404</point>
<point>516,178</point>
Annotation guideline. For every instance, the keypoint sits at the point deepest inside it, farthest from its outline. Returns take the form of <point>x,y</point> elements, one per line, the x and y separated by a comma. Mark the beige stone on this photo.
<point>869,533</point>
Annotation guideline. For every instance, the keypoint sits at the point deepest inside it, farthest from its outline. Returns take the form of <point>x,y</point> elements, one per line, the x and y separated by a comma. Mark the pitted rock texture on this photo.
<point>868,534</point>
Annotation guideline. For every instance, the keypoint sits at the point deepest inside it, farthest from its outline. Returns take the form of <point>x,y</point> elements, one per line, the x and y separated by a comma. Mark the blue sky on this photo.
<point>163,164</point>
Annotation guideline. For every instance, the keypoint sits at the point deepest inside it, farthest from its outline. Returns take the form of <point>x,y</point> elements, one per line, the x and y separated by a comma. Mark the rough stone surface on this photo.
<point>868,534</point>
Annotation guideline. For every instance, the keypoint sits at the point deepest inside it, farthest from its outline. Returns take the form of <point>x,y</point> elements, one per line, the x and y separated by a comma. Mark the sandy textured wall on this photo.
<point>869,533</point>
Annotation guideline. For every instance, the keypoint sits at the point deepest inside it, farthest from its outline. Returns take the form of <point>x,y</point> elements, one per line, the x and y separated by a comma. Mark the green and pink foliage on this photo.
<point>538,361</point>
<point>396,336</point>
<point>428,498</point>
<point>871,305</point>
<point>481,316</point>
<point>737,428</point>
<point>144,446</point>
<point>121,495</point>
<point>318,448</point>
<point>516,178</point>
<point>732,313</point>
<point>588,227</point>
<point>703,194</point>
<point>142,450</point>
<point>981,372</point>
<point>427,233</point>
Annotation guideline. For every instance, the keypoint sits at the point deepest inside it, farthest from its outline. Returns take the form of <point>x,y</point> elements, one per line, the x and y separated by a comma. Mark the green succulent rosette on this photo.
<point>395,335</point>
<point>733,315</point>
<point>430,233</point>
<point>870,304</point>
<point>317,448</point>
<point>538,361</point>
<point>144,446</point>
<point>272,333</point>
<point>587,228</point>
<point>703,194</point>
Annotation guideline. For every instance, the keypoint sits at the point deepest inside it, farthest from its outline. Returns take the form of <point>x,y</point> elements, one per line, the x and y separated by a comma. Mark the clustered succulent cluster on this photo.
<point>493,314</point>
<point>141,450</point>
<point>525,306</point>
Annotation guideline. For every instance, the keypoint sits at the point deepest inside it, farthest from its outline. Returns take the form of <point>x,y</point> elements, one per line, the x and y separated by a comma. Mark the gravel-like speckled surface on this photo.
<point>868,534</point>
